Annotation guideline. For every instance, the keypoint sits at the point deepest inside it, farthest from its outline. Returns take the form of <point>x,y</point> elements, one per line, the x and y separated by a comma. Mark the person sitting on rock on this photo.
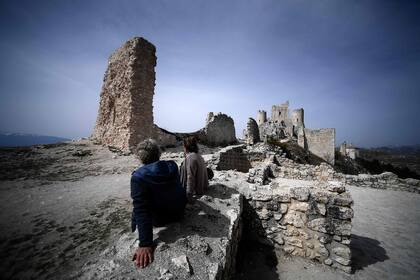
<point>193,170</point>
<point>158,198</point>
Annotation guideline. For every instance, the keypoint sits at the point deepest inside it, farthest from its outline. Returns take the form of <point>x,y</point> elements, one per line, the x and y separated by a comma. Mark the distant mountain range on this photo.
<point>400,150</point>
<point>23,139</point>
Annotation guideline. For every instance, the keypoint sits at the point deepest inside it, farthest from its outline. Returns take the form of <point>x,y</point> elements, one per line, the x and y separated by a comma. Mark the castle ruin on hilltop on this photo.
<point>125,116</point>
<point>284,125</point>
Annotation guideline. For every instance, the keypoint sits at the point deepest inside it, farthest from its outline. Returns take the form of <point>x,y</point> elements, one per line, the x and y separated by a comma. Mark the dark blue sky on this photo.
<point>353,65</point>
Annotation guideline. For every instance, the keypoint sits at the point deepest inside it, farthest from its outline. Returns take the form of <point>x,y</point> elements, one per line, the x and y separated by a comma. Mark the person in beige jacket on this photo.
<point>193,170</point>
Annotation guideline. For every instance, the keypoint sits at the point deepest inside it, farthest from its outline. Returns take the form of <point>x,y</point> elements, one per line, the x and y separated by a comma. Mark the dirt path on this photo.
<point>47,231</point>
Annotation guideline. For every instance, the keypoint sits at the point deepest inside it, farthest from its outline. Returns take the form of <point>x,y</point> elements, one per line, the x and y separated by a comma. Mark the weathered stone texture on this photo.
<point>125,115</point>
<point>272,130</point>
<point>303,218</point>
<point>219,130</point>
<point>203,245</point>
<point>287,168</point>
<point>281,126</point>
<point>231,158</point>
<point>280,112</point>
<point>261,117</point>
<point>129,81</point>
<point>321,142</point>
<point>252,133</point>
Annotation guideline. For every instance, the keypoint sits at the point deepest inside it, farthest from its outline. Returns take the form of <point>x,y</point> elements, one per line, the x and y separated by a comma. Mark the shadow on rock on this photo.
<point>206,217</point>
<point>221,191</point>
<point>257,258</point>
<point>366,251</point>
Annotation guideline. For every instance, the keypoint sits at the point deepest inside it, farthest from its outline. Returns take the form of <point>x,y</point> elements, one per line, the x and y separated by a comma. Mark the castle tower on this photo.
<point>125,115</point>
<point>252,135</point>
<point>343,149</point>
<point>280,113</point>
<point>298,117</point>
<point>261,117</point>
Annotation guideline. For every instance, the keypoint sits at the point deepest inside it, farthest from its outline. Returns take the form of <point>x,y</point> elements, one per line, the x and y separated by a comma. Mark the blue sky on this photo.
<point>352,65</point>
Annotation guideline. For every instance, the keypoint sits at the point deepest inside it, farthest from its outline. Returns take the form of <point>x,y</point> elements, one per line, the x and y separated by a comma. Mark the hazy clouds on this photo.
<point>353,65</point>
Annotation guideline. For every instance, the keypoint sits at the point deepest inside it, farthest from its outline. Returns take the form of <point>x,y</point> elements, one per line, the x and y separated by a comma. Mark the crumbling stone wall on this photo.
<point>287,168</point>
<point>230,158</point>
<point>386,180</point>
<point>219,130</point>
<point>252,133</point>
<point>272,130</point>
<point>125,115</point>
<point>309,221</point>
<point>321,142</point>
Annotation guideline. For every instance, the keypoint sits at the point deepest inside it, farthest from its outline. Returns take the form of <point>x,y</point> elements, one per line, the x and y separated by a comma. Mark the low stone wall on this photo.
<point>386,180</point>
<point>289,169</point>
<point>231,158</point>
<point>311,222</point>
<point>307,219</point>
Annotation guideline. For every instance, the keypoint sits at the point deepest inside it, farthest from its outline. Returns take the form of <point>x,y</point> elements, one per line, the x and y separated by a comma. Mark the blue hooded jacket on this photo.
<point>158,198</point>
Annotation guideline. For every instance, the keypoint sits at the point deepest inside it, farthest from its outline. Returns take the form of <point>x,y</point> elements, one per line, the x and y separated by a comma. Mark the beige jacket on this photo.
<point>193,174</point>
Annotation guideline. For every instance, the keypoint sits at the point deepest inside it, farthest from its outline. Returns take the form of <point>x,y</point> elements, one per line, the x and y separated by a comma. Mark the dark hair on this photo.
<point>190,144</point>
<point>148,151</point>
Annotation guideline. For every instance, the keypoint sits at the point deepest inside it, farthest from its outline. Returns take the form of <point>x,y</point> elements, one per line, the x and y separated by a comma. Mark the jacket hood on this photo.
<point>159,172</point>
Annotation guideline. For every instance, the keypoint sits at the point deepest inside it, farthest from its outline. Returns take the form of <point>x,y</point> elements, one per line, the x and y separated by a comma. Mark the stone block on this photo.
<point>299,206</point>
<point>300,193</point>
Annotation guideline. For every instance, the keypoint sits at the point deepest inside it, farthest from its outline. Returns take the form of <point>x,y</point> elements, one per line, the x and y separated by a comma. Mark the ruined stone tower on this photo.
<point>280,113</point>
<point>252,133</point>
<point>125,115</point>
<point>297,120</point>
<point>297,117</point>
<point>261,117</point>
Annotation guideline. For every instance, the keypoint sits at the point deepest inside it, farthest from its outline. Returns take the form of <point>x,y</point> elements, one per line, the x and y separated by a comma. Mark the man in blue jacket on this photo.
<point>158,198</point>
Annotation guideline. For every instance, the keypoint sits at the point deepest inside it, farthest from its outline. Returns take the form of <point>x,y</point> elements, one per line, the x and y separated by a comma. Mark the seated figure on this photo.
<point>158,198</point>
<point>194,173</point>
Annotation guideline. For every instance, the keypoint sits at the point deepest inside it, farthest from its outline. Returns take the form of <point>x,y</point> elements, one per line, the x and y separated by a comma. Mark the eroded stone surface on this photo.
<point>300,217</point>
<point>202,245</point>
<point>125,115</point>
<point>219,130</point>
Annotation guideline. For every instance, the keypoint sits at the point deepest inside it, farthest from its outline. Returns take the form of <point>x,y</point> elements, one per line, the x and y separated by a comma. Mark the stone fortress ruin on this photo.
<point>283,126</point>
<point>349,150</point>
<point>301,209</point>
<point>125,115</point>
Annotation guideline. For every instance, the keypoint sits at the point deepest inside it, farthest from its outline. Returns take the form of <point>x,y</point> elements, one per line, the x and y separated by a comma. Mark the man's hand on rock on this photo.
<point>143,256</point>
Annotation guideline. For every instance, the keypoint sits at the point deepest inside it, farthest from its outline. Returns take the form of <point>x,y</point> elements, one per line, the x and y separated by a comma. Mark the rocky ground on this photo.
<point>65,213</point>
